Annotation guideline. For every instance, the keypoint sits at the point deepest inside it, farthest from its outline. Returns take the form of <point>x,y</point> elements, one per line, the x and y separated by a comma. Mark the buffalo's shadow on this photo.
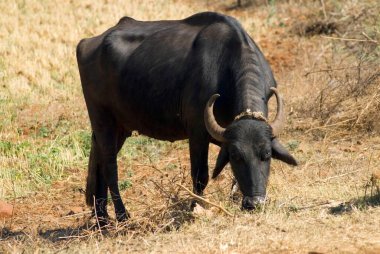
<point>7,234</point>
<point>177,214</point>
<point>358,203</point>
<point>61,234</point>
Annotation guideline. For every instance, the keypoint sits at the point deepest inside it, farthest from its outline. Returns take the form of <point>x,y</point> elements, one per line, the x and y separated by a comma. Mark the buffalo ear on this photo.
<point>221,161</point>
<point>279,152</point>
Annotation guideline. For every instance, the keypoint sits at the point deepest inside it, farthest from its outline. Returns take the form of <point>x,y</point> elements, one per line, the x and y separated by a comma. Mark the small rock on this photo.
<point>200,211</point>
<point>6,210</point>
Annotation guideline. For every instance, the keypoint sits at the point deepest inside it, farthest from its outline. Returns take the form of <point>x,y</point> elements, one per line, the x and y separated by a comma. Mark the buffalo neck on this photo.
<point>250,83</point>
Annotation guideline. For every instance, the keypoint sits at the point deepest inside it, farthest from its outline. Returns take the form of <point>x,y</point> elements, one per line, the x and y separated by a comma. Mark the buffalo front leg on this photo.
<point>198,158</point>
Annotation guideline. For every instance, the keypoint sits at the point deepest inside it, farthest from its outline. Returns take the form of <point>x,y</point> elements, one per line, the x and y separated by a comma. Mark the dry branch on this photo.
<point>205,200</point>
<point>349,39</point>
<point>369,38</point>
<point>337,176</point>
<point>77,214</point>
<point>97,219</point>
<point>325,203</point>
<point>324,9</point>
<point>339,69</point>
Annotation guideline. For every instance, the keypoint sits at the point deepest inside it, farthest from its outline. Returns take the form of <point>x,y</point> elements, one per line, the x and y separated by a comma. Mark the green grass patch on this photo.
<point>36,163</point>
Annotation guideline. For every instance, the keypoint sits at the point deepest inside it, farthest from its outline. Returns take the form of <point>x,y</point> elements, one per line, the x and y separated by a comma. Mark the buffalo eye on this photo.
<point>266,155</point>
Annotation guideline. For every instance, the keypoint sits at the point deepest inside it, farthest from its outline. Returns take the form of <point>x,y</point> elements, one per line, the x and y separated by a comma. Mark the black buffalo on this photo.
<point>163,78</point>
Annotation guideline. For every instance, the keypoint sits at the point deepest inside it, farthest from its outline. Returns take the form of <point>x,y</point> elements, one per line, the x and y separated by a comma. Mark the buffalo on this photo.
<point>202,78</point>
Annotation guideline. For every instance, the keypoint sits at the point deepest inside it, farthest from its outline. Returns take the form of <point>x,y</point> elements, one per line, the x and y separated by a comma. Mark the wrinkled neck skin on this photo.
<point>253,79</point>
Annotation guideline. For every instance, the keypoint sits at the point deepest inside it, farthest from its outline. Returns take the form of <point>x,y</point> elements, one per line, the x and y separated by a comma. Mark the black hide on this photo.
<point>156,77</point>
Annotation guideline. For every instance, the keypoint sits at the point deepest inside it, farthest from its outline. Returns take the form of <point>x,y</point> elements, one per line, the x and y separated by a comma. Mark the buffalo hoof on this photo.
<point>101,222</point>
<point>101,218</point>
<point>120,217</point>
<point>251,203</point>
<point>195,203</point>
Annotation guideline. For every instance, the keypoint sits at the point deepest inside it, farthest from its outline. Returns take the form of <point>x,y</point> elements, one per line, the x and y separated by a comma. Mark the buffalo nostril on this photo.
<point>250,203</point>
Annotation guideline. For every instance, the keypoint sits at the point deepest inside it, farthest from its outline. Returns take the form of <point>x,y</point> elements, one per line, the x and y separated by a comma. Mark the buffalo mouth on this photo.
<point>251,203</point>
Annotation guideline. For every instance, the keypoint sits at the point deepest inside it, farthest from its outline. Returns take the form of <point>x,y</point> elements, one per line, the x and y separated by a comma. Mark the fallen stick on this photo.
<point>77,214</point>
<point>337,69</point>
<point>349,39</point>
<point>205,200</point>
<point>326,203</point>
<point>97,219</point>
<point>369,38</point>
<point>73,236</point>
<point>336,176</point>
<point>324,9</point>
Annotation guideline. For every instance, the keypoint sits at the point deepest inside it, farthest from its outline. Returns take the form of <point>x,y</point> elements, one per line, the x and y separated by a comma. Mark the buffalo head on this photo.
<point>249,143</point>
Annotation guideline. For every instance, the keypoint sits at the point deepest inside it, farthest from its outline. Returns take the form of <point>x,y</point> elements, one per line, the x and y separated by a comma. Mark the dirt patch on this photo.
<point>279,50</point>
<point>44,119</point>
<point>37,115</point>
<point>6,210</point>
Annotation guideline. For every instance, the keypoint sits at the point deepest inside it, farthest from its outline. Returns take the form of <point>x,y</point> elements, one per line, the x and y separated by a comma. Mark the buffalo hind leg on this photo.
<point>120,211</point>
<point>109,142</point>
<point>96,188</point>
<point>110,171</point>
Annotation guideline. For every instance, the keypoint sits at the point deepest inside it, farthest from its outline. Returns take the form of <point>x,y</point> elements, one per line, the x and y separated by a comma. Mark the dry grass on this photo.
<point>330,203</point>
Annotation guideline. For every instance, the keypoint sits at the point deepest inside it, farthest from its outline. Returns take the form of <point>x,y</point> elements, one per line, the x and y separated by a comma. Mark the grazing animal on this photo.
<point>201,78</point>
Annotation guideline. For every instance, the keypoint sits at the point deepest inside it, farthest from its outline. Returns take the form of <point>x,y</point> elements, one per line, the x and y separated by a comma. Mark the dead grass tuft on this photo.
<point>348,97</point>
<point>345,97</point>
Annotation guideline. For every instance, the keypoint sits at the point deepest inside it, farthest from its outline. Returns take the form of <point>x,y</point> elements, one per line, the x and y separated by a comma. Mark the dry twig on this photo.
<point>369,38</point>
<point>349,39</point>
<point>337,176</point>
<point>96,217</point>
<point>205,200</point>
<point>325,203</point>
<point>324,9</point>
<point>77,214</point>
<point>338,69</point>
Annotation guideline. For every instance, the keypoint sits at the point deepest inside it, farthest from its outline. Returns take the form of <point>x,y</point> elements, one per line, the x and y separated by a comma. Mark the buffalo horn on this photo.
<point>280,119</point>
<point>213,128</point>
